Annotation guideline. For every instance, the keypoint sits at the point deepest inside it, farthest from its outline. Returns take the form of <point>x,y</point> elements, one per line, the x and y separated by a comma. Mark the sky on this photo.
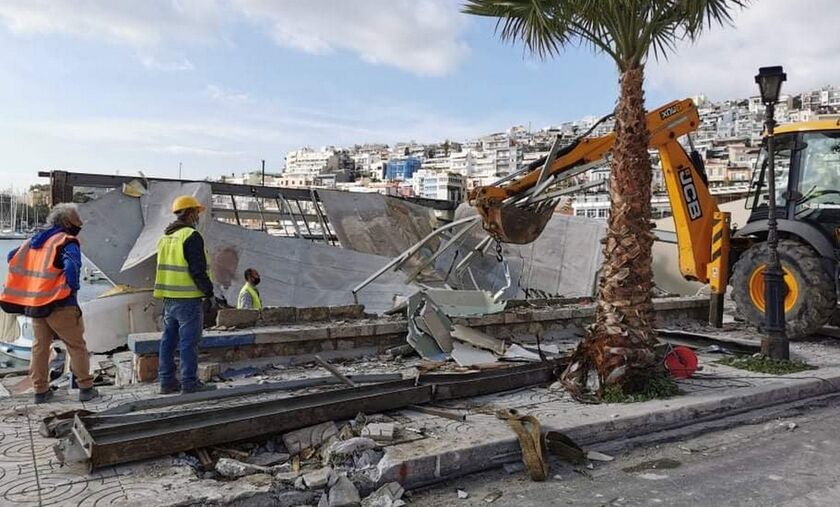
<point>216,86</point>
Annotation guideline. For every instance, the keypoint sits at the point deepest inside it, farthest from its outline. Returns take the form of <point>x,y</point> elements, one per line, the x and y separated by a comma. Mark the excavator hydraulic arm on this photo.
<point>702,230</point>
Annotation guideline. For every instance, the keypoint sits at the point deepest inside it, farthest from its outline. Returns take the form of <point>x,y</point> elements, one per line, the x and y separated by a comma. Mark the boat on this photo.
<point>19,348</point>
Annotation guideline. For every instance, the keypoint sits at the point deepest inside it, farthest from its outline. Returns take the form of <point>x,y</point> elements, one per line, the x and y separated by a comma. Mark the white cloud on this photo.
<point>222,95</point>
<point>800,35</point>
<point>420,36</point>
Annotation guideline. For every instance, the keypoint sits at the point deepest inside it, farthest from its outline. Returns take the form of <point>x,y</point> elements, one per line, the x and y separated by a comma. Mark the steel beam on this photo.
<point>110,440</point>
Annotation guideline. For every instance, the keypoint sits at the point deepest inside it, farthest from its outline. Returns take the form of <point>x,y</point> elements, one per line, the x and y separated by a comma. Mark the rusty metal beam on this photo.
<point>108,441</point>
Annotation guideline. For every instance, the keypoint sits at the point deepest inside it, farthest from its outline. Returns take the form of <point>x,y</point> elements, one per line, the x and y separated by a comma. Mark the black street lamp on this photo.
<point>775,343</point>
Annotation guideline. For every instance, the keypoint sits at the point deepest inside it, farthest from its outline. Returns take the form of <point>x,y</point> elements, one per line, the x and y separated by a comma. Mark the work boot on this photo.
<point>170,389</point>
<point>43,397</point>
<point>198,387</point>
<point>88,393</point>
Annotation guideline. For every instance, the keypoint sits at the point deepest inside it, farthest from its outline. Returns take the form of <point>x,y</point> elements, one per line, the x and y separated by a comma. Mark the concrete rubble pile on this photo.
<point>317,465</point>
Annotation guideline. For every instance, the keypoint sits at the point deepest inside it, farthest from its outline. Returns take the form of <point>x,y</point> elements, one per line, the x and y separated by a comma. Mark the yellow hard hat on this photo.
<point>183,202</point>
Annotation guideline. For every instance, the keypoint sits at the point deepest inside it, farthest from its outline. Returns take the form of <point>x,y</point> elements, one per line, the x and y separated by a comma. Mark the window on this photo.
<point>784,145</point>
<point>819,181</point>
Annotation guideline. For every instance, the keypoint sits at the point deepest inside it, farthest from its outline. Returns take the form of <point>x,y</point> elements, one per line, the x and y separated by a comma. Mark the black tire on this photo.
<point>816,298</point>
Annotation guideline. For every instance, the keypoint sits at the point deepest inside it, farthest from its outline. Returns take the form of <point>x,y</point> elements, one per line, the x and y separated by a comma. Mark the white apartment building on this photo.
<point>307,161</point>
<point>445,186</point>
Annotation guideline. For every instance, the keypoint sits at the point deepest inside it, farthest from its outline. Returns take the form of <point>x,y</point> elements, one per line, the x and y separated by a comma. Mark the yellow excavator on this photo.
<point>807,163</point>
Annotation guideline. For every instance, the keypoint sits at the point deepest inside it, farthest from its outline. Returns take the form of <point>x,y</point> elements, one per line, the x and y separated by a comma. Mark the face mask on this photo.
<point>255,281</point>
<point>74,230</point>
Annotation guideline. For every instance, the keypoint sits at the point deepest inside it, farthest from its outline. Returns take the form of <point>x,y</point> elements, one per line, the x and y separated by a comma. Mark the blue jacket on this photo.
<point>70,260</point>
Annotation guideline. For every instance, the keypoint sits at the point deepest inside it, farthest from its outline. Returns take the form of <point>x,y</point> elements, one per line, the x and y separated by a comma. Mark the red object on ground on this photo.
<point>681,362</point>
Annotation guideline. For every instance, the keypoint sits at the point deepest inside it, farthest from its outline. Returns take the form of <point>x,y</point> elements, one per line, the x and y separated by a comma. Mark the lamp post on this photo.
<point>775,343</point>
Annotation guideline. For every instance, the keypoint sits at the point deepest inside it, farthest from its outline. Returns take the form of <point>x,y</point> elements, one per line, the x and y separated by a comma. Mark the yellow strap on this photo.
<point>530,441</point>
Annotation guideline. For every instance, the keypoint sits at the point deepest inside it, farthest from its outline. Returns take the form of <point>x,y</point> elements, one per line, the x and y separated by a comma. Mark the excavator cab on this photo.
<point>807,167</point>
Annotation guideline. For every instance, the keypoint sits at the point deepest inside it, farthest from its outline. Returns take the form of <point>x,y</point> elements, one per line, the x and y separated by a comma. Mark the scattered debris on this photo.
<point>317,479</point>
<point>379,432</point>
<point>517,352</point>
<point>467,355</point>
<point>599,456</point>
<point>269,458</point>
<point>789,425</point>
<point>657,464</point>
<point>463,495</point>
<point>389,495</point>
<point>492,496</point>
<point>478,339</point>
<point>513,468</point>
<point>463,303</point>
<point>309,437</point>
<point>342,494</point>
<point>233,469</point>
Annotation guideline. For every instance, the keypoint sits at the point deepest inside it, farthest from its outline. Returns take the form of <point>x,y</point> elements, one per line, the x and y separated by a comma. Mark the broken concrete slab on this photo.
<point>437,324</point>
<point>344,494</point>
<point>478,339</point>
<point>379,432</point>
<point>309,437</point>
<point>517,352</point>
<point>317,479</point>
<point>388,495</point>
<point>464,303</point>
<point>467,355</point>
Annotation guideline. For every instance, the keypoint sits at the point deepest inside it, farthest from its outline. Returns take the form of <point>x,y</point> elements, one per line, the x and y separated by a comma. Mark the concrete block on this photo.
<point>344,494</point>
<point>346,312</point>
<point>145,368</point>
<point>313,314</point>
<point>278,315</point>
<point>379,432</point>
<point>311,436</point>
<point>206,371</point>
<point>317,479</point>
<point>231,317</point>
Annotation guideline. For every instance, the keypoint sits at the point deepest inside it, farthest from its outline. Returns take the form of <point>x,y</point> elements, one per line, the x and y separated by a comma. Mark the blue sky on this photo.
<point>104,86</point>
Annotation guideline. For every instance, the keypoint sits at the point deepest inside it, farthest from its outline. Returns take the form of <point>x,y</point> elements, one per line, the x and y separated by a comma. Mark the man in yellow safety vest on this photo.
<point>249,296</point>
<point>183,282</point>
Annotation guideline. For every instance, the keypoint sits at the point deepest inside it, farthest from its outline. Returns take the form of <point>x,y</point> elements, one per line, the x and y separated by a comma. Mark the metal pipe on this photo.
<point>400,259</point>
<point>454,239</point>
<point>324,231</point>
<point>291,215</point>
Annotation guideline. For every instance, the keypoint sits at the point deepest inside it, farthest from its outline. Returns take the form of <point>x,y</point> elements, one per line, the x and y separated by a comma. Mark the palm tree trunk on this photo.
<point>619,346</point>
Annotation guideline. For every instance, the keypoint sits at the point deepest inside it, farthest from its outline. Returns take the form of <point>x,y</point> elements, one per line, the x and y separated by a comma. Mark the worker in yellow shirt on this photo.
<point>249,296</point>
<point>183,282</point>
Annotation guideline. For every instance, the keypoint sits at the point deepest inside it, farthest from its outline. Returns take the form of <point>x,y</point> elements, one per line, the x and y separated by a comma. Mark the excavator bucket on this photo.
<point>516,225</point>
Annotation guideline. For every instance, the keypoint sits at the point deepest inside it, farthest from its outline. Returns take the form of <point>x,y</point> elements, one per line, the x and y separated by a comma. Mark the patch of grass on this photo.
<point>762,364</point>
<point>657,388</point>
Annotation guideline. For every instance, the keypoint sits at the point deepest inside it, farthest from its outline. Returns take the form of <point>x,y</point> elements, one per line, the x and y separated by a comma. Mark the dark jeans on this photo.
<point>183,321</point>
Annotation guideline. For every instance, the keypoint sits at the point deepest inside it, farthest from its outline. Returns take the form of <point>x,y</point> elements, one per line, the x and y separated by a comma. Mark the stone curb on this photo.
<point>414,470</point>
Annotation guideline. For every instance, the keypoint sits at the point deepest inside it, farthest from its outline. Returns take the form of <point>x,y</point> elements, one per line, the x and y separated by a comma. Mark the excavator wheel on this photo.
<point>810,299</point>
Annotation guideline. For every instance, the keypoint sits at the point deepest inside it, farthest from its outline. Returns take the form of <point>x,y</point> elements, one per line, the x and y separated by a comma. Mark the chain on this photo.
<point>499,256</point>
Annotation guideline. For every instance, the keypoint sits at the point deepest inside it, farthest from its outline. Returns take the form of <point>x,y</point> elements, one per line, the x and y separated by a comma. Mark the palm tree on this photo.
<point>618,351</point>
